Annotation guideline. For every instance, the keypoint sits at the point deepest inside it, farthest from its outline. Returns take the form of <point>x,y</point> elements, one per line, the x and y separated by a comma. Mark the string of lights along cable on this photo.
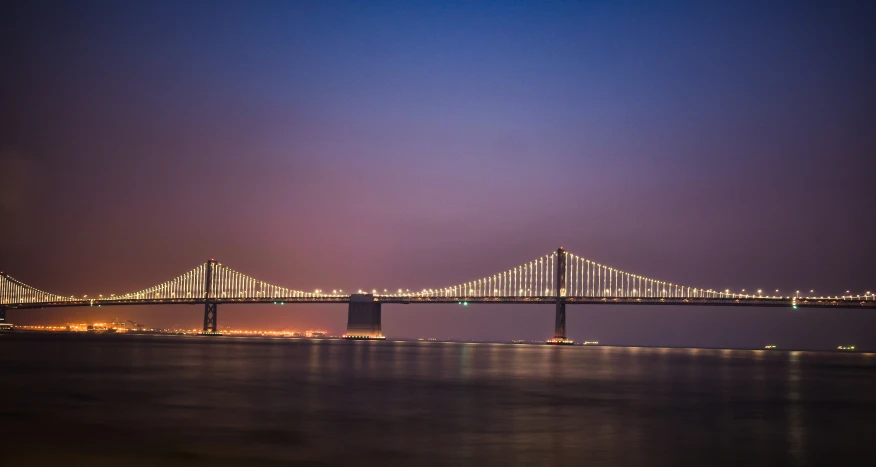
<point>584,280</point>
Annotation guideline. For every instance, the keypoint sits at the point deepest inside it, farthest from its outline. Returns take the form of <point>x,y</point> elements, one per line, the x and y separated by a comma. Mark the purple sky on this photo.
<point>419,144</point>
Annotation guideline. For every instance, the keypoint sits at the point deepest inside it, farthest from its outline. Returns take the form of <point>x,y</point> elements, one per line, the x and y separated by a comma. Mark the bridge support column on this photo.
<point>210,310</point>
<point>2,314</point>
<point>363,318</point>
<point>560,321</point>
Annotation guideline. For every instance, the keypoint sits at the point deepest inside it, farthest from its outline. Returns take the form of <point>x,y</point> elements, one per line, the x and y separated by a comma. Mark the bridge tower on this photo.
<point>210,307</point>
<point>560,322</point>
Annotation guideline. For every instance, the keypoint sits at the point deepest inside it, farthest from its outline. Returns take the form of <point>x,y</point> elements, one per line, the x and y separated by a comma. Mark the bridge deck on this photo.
<point>848,302</point>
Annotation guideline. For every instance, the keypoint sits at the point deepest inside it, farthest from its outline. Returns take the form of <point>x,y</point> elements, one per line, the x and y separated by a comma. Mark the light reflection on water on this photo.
<point>124,400</point>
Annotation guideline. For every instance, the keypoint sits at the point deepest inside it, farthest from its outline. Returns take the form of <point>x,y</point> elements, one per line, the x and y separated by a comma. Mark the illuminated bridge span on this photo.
<point>560,278</point>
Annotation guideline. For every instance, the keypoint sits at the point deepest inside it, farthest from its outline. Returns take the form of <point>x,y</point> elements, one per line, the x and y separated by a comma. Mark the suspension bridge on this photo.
<point>559,278</point>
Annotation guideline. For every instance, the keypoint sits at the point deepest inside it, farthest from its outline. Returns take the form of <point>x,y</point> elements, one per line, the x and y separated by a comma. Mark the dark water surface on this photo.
<point>158,400</point>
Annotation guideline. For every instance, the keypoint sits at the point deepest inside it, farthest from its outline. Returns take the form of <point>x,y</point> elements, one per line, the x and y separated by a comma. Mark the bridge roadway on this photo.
<point>839,303</point>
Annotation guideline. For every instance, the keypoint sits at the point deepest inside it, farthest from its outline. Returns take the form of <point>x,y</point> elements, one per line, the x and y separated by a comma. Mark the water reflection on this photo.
<point>795,424</point>
<point>251,401</point>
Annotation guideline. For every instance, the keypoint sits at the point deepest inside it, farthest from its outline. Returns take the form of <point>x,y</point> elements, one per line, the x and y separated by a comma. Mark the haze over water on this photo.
<point>146,400</point>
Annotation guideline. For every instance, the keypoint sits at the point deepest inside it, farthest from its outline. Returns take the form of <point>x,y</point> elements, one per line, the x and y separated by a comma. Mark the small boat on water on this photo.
<point>846,348</point>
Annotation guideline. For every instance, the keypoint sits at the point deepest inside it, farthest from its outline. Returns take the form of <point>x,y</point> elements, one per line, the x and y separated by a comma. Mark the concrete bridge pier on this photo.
<point>363,318</point>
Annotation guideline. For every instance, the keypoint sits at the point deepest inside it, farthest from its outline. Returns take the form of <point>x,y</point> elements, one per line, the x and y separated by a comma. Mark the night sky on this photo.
<point>422,144</point>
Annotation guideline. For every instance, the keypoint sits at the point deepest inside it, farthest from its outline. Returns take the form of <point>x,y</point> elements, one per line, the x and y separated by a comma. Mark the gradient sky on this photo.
<point>421,144</point>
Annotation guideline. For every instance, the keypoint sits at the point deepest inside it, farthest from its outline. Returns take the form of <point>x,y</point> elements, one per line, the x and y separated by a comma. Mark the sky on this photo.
<point>421,144</point>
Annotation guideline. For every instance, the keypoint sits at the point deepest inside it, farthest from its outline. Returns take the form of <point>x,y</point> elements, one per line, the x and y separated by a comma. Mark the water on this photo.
<point>160,400</point>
